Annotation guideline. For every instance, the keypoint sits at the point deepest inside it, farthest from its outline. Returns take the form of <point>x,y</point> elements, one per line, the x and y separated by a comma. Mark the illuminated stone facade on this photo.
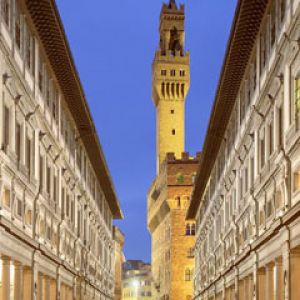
<point>119,239</point>
<point>173,238</point>
<point>137,281</point>
<point>57,200</point>
<point>247,193</point>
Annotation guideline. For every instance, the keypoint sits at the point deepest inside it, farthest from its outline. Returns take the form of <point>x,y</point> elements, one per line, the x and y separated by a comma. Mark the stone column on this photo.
<point>295,273</point>
<point>18,281</point>
<point>5,290</point>
<point>27,283</point>
<point>286,271</point>
<point>255,283</point>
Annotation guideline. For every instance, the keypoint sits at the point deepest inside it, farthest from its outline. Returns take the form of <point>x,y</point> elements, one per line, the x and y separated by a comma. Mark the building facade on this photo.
<point>57,200</point>
<point>137,280</point>
<point>169,195</point>
<point>119,239</point>
<point>246,199</point>
<point>172,237</point>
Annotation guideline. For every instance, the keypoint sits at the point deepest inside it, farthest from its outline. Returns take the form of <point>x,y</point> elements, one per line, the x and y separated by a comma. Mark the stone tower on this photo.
<point>171,82</point>
<point>169,195</point>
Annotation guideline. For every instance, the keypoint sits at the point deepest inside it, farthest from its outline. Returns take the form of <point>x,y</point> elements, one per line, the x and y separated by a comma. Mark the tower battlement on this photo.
<point>173,8</point>
<point>184,158</point>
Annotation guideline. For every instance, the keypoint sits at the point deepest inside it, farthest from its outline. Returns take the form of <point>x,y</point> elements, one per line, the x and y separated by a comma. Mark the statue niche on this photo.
<point>175,41</point>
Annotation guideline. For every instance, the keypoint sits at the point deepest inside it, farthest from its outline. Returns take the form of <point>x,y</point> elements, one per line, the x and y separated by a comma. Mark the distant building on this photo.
<point>137,280</point>
<point>119,260</point>
<point>169,196</point>
<point>247,192</point>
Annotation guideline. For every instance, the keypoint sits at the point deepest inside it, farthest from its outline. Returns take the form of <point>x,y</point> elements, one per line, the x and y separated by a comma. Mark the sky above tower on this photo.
<point>113,44</point>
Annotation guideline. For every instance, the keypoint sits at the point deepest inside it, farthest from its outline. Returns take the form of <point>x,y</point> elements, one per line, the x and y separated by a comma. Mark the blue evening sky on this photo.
<point>113,43</point>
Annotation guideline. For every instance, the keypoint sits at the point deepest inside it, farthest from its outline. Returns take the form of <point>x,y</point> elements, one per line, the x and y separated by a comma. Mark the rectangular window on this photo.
<point>68,206</point>
<point>271,138</point>
<point>62,201</point>
<point>273,24</point>
<point>262,152</point>
<point>269,209</point>
<point>19,208</point>
<point>282,7</point>
<point>48,90</point>
<point>41,172</point>
<point>263,52</point>
<point>6,126</point>
<point>54,104</point>
<point>48,180</point>
<point>163,72</point>
<point>72,211</point>
<point>78,223</point>
<point>18,140</point>
<point>296,181</point>
<point>17,28</point>
<point>252,170</point>
<point>242,107</point>
<point>6,11</point>
<point>28,154</point>
<point>246,180</point>
<point>55,189</point>
<point>253,75</point>
<point>182,73</point>
<point>173,73</point>
<point>280,121</point>
<point>41,75</point>
<point>297,93</point>
<point>29,51</point>
<point>6,198</point>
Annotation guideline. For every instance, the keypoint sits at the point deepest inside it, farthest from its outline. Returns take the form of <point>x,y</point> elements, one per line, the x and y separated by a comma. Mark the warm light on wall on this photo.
<point>12,273</point>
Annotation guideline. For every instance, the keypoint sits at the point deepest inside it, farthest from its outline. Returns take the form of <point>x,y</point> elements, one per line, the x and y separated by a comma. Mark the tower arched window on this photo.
<point>163,89</point>
<point>188,229</point>
<point>174,41</point>
<point>188,274</point>
<point>182,90</point>
<point>193,229</point>
<point>173,89</point>
<point>168,89</point>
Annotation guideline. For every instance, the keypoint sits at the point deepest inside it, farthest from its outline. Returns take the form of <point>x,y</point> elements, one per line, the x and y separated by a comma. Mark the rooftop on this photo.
<point>247,20</point>
<point>47,21</point>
